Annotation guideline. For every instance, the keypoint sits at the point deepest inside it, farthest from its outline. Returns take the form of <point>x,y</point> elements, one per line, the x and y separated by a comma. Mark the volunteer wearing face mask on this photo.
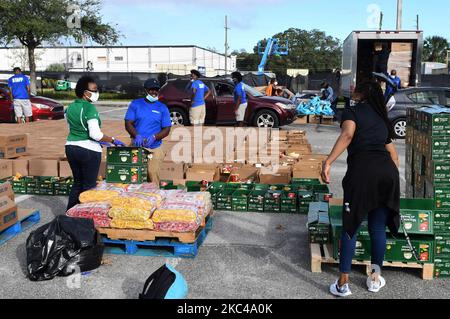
<point>148,123</point>
<point>397,82</point>
<point>240,98</point>
<point>83,147</point>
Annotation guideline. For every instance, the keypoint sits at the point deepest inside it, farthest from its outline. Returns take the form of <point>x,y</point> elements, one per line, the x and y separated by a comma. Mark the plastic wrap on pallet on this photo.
<point>176,227</point>
<point>130,213</point>
<point>98,212</point>
<point>177,213</point>
<point>128,224</point>
<point>96,196</point>
<point>130,200</point>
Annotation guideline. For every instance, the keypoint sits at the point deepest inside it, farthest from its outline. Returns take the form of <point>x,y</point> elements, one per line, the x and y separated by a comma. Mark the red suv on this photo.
<point>43,108</point>
<point>262,111</point>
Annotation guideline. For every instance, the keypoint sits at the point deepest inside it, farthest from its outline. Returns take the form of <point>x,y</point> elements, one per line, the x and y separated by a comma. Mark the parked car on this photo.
<point>262,111</point>
<point>414,97</point>
<point>43,108</point>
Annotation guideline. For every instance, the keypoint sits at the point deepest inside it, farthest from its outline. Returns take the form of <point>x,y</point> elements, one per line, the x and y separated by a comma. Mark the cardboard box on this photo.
<point>244,175</point>
<point>7,190</point>
<point>6,169</point>
<point>43,167</point>
<point>8,212</point>
<point>64,169</point>
<point>14,140</point>
<point>126,174</point>
<point>7,152</point>
<point>201,175</point>
<point>127,156</point>
<point>301,120</point>
<point>307,175</point>
<point>171,171</point>
<point>282,176</point>
<point>20,166</point>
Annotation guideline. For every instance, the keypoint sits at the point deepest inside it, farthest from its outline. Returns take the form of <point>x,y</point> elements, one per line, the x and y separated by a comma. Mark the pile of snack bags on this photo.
<point>143,207</point>
<point>315,106</point>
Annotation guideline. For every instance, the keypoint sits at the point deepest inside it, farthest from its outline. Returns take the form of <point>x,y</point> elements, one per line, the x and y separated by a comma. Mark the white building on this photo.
<point>171,59</point>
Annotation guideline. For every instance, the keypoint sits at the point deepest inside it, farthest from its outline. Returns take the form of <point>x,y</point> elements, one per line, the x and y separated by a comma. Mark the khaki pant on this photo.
<point>197,115</point>
<point>154,163</point>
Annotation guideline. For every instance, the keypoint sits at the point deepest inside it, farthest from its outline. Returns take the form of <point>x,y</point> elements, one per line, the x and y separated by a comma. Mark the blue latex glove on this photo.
<point>119,143</point>
<point>105,144</point>
<point>139,141</point>
<point>150,141</point>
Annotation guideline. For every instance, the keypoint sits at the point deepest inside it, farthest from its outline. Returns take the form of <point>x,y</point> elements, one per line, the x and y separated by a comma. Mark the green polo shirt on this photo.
<point>78,114</point>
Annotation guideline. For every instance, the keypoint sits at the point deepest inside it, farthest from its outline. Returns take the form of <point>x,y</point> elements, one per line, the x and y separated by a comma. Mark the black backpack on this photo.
<point>158,284</point>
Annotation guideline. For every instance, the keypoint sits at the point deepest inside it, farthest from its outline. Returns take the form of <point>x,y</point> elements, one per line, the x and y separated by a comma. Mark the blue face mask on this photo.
<point>151,98</point>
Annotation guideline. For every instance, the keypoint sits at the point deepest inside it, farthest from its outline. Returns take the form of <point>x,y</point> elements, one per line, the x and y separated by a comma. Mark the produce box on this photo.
<point>19,186</point>
<point>289,200</point>
<point>272,201</point>
<point>437,149</point>
<point>256,201</point>
<point>127,156</point>
<point>126,174</point>
<point>442,245</point>
<point>63,186</point>
<point>319,226</point>
<point>442,267</point>
<point>435,124</point>
<point>239,200</point>
<point>441,222</point>
<point>45,186</point>
<point>305,181</point>
<point>417,215</point>
<point>225,199</point>
<point>438,172</point>
<point>305,197</point>
<point>261,187</point>
<point>194,186</point>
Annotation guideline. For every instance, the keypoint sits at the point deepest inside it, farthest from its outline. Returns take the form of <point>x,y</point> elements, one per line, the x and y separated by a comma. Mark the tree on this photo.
<point>56,67</point>
<point>35,22</point>
<point>312,50</point>
<point>435,49</point>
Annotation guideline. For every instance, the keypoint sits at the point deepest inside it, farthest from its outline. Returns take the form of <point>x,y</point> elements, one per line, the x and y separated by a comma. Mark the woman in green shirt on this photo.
<point>84,143</point>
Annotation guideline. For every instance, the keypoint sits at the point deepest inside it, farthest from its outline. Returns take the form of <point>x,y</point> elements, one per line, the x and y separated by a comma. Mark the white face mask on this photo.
<point>276,83</point>
<point>152,98</point>
<point>94,96</point>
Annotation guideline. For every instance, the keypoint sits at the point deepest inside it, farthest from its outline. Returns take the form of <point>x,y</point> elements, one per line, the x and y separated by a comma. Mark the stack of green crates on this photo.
<point>418,219</point>
<point>428,173</point>
<point>126,165</point>
<point>63,186</point>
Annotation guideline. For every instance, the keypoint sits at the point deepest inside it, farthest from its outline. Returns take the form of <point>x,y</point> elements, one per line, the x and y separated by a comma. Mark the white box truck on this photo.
<point>365,52</point>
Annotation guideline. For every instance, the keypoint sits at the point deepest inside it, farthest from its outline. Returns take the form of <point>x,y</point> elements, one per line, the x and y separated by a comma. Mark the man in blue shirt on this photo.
<point>240,97</point>
<point>397,82</point>
<point>197,112</point>
<point>148,122</point>
<point>19,86</point>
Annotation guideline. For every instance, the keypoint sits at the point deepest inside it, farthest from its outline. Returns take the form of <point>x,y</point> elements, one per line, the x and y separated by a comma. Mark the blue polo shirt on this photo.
<point>149,118</point>
<point>201,89</point>
<point>239,91</point>
<point>18,84</point>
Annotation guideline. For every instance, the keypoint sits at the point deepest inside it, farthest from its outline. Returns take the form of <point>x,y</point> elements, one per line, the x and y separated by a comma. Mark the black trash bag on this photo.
<point>54,249</point>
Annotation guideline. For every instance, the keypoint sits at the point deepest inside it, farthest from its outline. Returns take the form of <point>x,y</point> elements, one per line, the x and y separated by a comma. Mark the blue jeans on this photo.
<point>85,165</point>
<point>377,230</point>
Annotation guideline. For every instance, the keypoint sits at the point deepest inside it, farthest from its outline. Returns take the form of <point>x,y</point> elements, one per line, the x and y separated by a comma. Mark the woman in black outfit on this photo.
<point>371,185</point>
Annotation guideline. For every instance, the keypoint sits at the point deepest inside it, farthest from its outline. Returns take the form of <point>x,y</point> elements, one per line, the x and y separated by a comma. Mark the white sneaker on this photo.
<point>375,286</point>
<point>343,291</point>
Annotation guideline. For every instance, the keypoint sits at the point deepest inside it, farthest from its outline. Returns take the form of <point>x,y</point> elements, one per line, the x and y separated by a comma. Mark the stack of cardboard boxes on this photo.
<point>8,208</point>
<point>428,173</point>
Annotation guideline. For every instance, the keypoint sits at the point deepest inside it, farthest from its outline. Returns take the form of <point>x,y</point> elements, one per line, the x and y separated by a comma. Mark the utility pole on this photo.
<point>417,23</point>
<point>399,14</point>
<point>226,44</point>
<point>381,20</point>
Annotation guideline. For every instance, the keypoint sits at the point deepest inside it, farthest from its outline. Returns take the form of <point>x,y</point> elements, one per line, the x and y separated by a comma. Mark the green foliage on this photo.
<point>312,50</point>
<point>435,49</point>
<point>56,67</point>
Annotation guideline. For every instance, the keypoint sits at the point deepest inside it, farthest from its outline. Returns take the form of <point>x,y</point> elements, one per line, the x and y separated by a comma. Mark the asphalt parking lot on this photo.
<point>245,255</point>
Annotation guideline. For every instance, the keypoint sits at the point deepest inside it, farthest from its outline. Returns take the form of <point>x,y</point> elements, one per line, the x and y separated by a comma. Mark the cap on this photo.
<point>152,84</point>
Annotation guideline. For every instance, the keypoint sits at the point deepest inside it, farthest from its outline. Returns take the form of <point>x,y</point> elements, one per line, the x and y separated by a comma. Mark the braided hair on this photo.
<point>372,93</point>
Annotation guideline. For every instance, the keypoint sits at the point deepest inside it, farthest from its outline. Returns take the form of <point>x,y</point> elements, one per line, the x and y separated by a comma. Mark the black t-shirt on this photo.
<point>371,132</point>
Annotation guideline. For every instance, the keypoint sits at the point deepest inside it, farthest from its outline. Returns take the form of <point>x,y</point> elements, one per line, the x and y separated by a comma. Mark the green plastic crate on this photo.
<point>272,202</point>
<point>239,200</point>
<point>289,204</point>
<point>224,199</point>
<point>306,181</point>
<point>256,201</point>
<point>261,187</point>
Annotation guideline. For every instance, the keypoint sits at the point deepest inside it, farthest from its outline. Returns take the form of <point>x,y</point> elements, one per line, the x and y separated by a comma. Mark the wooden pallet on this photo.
<point>323,254</point>
<point>27,218</point>
<point>171,248</point>
<point>152,235</point>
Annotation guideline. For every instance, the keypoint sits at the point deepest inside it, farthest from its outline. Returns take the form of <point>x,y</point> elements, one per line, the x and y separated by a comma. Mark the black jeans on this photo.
<point>85,165</point>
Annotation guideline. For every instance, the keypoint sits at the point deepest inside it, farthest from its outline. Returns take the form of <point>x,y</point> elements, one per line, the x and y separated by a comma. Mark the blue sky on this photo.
<point>200,22</point>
